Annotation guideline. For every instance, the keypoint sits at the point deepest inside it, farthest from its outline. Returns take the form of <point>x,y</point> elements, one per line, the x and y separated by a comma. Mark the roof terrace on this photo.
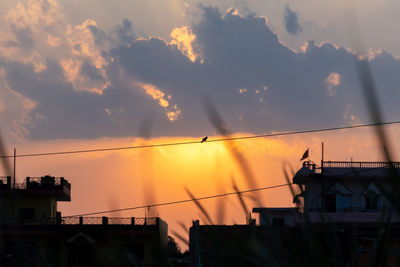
<point>361,164</point>
<point>346,170</point>
<point>45,185</point>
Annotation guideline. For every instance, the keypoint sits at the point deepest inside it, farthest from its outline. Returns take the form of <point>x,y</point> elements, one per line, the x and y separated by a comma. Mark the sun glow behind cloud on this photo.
<point>84,49</point>
<point>183,38</point>
<point>127,178</point>
<point>171,111</point>
<point>192,165</point>
<point>332,82</point>
<point>38,34</point>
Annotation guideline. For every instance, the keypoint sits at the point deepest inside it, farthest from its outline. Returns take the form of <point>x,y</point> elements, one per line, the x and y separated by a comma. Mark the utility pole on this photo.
<point>322,179</point>
<point>15,161</point>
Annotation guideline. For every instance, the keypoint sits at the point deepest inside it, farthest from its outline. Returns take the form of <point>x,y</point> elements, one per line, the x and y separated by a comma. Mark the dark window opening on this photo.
<point>342,203</point>
<point>330,203</point>
<point>371,201</point>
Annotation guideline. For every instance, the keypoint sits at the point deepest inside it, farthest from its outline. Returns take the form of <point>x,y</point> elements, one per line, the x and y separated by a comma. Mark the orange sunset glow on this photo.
<point>167,115</point>
<point>128,178</point>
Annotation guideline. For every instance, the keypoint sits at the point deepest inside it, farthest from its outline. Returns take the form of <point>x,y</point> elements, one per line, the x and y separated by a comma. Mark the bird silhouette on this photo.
<point>204,139</point>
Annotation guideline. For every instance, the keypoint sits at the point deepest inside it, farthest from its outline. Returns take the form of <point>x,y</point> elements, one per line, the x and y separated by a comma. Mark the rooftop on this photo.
<point>134,221</point>
<point>45,185</point>
<point>361,164</point>
<point>346,170</point>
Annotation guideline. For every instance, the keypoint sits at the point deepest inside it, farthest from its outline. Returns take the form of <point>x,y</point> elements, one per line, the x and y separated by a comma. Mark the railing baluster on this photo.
<point>359,164</point>
<point>108,220</point>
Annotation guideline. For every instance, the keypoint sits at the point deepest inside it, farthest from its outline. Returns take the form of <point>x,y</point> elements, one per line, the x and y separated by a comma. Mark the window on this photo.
<point>342,203</point>
<point>337,202</point>
<point>337,198</point>
<point>330,202</point>
<point>371,201</point>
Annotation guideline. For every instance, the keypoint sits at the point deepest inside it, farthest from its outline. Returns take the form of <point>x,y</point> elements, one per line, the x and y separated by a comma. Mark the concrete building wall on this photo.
<point>43,206</point>
<point>82,245</point>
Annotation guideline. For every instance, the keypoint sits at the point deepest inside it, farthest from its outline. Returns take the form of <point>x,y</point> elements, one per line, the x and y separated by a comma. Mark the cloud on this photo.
<point>89,65</point>
<point>242,90</point>
<point>74,47</point>
<point>53,41</point>
<point>122,34</point>
<point>183,38</point>
<point>172,111</point>
<point>28,25</point>
<point>332,81</point>
<point>35,12</point>
<point>15,110</point>
<point>96,83</point>
<point>291,21</point>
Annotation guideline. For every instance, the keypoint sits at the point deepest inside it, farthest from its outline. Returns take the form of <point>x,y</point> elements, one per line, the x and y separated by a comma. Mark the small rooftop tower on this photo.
<point>34,201</point>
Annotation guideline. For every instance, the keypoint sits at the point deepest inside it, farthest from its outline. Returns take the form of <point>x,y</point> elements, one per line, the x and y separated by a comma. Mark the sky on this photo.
<point>93,74</point>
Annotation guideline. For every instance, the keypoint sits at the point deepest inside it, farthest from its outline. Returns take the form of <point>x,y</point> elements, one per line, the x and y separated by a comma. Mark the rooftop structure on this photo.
<point>344,216</point>
<point>347,187</point>
<point>342,191</point>
<point>33,232</point>
<point>58,187</point>
<point>349,201</point>
<point>338,170</point>
<point>34,200</point>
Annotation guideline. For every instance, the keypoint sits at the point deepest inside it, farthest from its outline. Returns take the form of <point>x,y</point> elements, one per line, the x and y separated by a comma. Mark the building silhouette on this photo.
<point>33,232</point>
<point>343,192</point>
<point>346,214</point>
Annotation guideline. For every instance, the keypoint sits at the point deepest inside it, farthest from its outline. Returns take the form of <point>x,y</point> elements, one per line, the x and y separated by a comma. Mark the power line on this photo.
<point>203,198</point>
<point>180,201</point>
<point>198,142</point>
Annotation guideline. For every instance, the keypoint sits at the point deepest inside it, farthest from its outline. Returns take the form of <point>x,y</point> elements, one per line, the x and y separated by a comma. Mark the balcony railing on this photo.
<point>80,221</point>
<point>44,182</point>
<point>349,209</point>
<point>360,164</point>
<point>109,220</point>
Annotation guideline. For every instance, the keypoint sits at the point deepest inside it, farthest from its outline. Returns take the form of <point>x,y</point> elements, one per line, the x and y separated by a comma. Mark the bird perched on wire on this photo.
<point>204,139</point>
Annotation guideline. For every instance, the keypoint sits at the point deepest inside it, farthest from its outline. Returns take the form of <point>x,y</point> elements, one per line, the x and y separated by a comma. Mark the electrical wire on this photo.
<point>179,201</point>
<point>198,142</point>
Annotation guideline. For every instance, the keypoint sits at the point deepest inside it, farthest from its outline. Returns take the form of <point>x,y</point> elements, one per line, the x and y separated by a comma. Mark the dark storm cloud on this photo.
<point>291,21</point>
<point>257,83</point>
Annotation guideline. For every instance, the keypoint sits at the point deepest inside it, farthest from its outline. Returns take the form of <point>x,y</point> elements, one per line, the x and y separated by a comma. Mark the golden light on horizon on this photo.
<point>134,177</point>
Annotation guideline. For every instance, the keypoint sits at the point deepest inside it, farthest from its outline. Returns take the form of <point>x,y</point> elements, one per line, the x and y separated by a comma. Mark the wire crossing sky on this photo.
<point>180,201</point>
<point>211,196</point>
<point>198,141</point>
